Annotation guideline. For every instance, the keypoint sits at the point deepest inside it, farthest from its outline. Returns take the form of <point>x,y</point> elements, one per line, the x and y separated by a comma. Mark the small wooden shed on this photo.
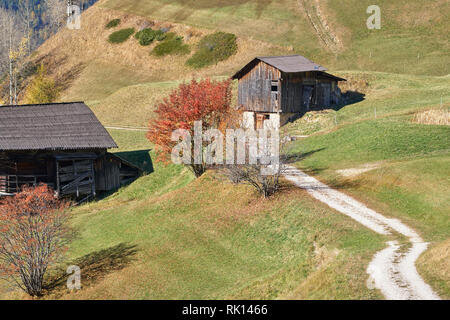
<point>60,144</point>
<point>273,90</point>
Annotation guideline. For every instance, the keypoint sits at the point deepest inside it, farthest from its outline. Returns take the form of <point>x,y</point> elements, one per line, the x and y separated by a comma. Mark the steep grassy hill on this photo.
<point>396,167</point>
<point>167,236</point>
<point>170,236</point>
<point>413,37</point>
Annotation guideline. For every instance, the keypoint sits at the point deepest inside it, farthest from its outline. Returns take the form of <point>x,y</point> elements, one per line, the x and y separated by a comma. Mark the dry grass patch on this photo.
<point>433,116</point>
<point>133,105</point>
<point>434,264</point>
<point>85,57</point>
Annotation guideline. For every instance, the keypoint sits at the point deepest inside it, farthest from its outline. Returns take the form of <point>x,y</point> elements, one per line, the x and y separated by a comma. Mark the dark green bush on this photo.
<point>113,23</point>
<point>161,35</point>
<point>172,44</point>
<point>145,36</point>
<point>121,35</point>
<point>212,49</point>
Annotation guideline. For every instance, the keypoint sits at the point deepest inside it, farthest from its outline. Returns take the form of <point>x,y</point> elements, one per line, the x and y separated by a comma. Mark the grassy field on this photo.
<point>169,236</point>
<point>377,95</point>
<point>279,22</point>
<point>133,105</point>
<point>413,37</point>
<point>87,67</point>
<point>405,153</point>
<point>408,176</point>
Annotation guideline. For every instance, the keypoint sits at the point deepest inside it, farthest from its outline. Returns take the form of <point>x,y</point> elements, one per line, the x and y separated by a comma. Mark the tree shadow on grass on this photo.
<point>52,62</point>
<point>94,266</point>
<point>335,182</point>
<point>294,157</point>
<point>345,183</point>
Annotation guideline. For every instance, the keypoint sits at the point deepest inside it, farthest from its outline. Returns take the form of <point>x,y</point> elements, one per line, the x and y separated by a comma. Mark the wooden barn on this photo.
<point>275,90</point>
<point>60,144</point>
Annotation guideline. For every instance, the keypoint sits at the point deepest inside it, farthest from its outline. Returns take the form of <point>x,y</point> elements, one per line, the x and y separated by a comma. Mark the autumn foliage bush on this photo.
<point>33,236</point>
<point>207,101</point>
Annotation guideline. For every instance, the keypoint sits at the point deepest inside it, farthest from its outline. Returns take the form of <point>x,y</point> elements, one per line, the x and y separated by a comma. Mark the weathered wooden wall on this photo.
<point>255,88</point>
<point>291,93</point>
<point>107,174</point>
<point>70,173</point>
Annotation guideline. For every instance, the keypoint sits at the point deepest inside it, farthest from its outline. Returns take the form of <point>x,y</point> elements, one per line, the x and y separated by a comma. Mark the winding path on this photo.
<point>392,269</point>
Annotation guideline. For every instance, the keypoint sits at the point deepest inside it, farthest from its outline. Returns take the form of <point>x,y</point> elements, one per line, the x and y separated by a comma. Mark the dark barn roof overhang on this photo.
<point>286,64</point>
<point>325,75</point>
<point>54,126</point>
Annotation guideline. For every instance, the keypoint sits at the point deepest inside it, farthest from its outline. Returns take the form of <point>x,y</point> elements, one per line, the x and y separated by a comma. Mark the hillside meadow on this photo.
<point>413,38</point>
<point>170,236</point>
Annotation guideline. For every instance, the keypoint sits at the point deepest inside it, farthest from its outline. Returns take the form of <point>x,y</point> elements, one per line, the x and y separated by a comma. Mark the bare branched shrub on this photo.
<point>33,236</point>
<point>265,185</point>
<point>264,175</point>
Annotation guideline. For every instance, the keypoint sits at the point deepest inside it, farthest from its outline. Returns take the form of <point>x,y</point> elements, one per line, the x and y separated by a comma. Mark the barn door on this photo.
<point>323,95</point>
<point>75,177</point>
<point>326,92</point>
<point>259,121</point>
<point>307,96</point>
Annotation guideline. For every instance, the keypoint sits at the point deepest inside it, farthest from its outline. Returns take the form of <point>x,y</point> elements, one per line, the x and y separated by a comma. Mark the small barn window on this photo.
<point>274,86</point>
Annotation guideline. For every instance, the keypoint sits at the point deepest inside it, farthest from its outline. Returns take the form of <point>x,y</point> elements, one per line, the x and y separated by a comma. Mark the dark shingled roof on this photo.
<point>286,64</point>
<point>55,126</point>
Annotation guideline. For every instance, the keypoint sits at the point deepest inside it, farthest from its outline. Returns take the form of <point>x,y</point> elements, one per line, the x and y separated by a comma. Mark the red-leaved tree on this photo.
<point>33,235</point>
<point>207,101</point>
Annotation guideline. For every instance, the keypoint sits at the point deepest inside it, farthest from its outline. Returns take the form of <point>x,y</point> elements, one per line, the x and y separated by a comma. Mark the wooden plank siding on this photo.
<point>255,92</point>
<point>285,84</point>
<point>73,173</point>
<point>255,89</point>
<point>291,93</point>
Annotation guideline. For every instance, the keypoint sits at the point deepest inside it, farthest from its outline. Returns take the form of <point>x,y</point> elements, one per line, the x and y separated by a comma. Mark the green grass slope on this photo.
<point>413,37</point>
<point>170,236</point>
<point>167,236</point>
<point>407,176</point>
<point>383,95</point>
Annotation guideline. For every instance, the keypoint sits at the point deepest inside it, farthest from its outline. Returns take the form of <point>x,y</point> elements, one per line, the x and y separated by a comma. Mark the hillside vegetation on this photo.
<point>413,38</point>
<point>169,236</point>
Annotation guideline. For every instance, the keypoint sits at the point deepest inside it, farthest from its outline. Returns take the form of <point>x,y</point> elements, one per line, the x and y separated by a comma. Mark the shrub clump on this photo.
<point>146,36</point>
<point>113,23</point>
<point>42,89</point>
<point>212,49</point>
<point>121,35</point>
<point>172,44</point>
